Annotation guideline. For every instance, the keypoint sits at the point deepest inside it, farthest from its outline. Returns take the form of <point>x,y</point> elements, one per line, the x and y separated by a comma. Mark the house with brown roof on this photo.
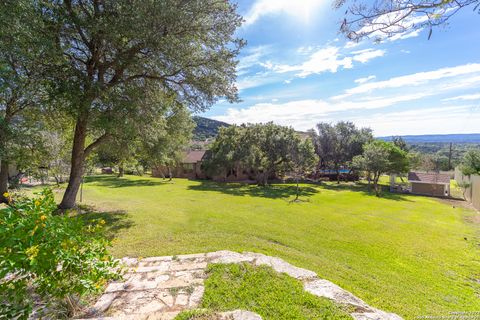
<point>430,184</point>
<point>190,167</point>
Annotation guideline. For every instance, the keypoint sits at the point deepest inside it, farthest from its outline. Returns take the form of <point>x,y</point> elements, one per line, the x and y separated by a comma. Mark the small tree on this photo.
<point>380,157</point>
<point>471,162</point>
<point>464,186</point>
<point>400,142</point>
<point>303,161</point>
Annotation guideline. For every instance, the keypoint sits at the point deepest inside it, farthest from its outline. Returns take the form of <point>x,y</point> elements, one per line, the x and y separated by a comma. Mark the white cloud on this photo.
<point>452,119</point>
<point>366,79</point>
<point>327,59</point>
<point>362,104</point>
<point>464,97</point>
<point>367,54</point>
<point>351,44</point>
<point>305,50</point>
<point>413,79</point>
<point>405,35</point>
<point>256,80</point>
<point>301,9</point>
<point>307,112</point>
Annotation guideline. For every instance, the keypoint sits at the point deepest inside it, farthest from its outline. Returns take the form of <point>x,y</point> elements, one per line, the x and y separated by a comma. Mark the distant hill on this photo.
<point>439,138</point>
<point>206,128</point>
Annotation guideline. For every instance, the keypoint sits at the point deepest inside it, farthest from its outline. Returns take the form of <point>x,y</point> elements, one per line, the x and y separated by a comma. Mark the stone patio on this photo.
<point>161,287</point>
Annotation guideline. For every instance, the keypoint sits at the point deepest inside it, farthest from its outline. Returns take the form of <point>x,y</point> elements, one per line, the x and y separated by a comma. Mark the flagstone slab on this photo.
<point>240,315</point>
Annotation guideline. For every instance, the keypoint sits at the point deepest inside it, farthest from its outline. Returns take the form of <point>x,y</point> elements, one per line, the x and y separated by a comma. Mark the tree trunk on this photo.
<point>297,191</point>
<point>338,176</point>
<point>3,148</point>
<point>77,168</point>
<point>121,170</point>
<point>3,181</point>
<point>375,184</point>
<point>262,179</point>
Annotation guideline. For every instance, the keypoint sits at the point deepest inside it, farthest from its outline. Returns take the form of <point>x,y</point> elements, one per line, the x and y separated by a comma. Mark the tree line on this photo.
<point>273,151</point>
<point>268,151</point>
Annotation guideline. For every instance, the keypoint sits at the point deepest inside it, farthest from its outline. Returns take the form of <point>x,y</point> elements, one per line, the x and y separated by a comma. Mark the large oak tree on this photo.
<point>116,52</point>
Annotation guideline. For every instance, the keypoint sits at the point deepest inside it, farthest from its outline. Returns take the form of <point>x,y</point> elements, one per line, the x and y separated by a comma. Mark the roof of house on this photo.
<point>432,178</point>
<point>193,156</point>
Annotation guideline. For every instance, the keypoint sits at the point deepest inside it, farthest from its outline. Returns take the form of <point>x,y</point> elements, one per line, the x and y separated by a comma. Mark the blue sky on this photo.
<point>297,70</point>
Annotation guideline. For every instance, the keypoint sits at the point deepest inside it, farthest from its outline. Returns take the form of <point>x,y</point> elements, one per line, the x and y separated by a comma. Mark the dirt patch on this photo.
<point>457,203</point>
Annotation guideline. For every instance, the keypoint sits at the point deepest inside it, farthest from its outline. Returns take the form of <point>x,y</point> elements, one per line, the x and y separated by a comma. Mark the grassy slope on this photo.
<point>260,289</point>
<point>405,254</point>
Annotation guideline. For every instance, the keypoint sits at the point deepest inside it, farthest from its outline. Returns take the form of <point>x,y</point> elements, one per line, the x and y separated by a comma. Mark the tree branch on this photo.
<point>96,143</point>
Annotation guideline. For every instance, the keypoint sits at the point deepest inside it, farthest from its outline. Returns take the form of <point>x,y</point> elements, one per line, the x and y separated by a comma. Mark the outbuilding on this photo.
<point>430,184</point>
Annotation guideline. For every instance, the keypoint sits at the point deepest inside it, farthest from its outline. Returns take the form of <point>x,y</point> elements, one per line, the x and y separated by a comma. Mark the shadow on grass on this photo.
<point>274,191</point>
<point>364,189</point>
<point>116,182</point>
<point>114,220</point>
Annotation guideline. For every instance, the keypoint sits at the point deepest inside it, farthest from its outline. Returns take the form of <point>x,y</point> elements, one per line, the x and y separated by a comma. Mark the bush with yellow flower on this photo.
<point>52,257</point>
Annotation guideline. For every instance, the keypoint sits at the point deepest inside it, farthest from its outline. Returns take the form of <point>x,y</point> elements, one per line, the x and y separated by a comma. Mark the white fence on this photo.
<point>472,193</point>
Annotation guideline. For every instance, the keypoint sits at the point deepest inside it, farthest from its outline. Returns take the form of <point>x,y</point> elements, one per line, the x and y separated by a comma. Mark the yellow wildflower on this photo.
<point>6,194</point>
<point>32,252</point>
<point>102,222</point>
<point>37,203</point>
<point>43,217</point>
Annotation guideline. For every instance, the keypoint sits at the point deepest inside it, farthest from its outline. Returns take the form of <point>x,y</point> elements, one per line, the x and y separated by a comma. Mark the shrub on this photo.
<point>48,260</point>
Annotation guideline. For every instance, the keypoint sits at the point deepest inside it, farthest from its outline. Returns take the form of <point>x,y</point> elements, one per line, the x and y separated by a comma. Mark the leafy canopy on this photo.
<point>266,149</point>
<point>337,144</point>
<point>380,157</point>
<point>471,162</point>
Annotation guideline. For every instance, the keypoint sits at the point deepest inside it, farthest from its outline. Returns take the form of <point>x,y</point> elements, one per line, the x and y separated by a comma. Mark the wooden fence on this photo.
<point>472,193</point>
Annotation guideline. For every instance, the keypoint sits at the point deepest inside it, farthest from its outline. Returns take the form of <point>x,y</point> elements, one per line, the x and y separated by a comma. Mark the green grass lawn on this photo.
<point>406,254</point>
<point>262,290</point>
